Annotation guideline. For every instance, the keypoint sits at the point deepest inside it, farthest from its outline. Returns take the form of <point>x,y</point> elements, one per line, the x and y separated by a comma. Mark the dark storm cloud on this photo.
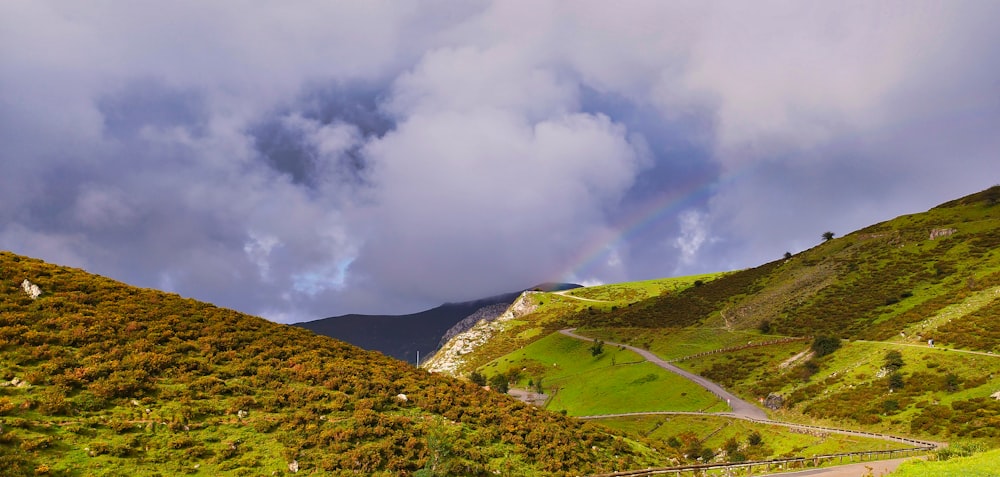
<point>284,138</point>
<point>324,158</point>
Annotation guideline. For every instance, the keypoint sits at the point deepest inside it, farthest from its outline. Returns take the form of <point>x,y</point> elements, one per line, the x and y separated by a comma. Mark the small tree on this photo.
<point>707,454</point>
<point>893,361</point>
<point>477,378</point>
<point>731,446</point>
<point>764,327</point>
<point>499,383</point>
<point>824,345</point>
<point>597,348</point>
<point>828,236</point>
<point>788,255</point>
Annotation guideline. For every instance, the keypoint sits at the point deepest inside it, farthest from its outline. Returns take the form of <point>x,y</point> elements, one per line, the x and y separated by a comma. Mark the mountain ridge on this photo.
<point>403,336</point>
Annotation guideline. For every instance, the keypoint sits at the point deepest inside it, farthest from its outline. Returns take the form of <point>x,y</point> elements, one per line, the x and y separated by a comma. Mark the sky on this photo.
<point>298,160</point>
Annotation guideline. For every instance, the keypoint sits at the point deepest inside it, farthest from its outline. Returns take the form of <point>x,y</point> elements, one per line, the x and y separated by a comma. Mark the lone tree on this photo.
<point>827,236</point>
<point>499,383</point>
<point>824,345</point>
<point>597,348</point>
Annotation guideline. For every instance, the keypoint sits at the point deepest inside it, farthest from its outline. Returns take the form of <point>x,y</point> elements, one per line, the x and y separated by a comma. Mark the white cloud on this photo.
<point>693,234</point>
<point>455,149</point>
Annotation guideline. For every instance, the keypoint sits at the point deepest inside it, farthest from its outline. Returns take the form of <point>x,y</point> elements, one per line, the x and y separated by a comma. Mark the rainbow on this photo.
<point>669,202</point>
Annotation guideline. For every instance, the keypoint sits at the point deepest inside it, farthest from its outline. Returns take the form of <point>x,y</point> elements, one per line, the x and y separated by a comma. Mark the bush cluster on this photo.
<point>156,378</point>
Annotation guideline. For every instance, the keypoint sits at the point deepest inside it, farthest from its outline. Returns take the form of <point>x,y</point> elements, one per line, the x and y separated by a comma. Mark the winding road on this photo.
<point>740,408</point>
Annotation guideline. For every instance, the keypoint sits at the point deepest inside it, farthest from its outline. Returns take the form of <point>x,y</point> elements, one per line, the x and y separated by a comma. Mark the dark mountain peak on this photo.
<point>403,336</point>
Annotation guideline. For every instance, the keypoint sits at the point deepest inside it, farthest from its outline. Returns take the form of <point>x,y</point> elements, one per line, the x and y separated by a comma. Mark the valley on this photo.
<point>882,340</point>
<point>911,312</point>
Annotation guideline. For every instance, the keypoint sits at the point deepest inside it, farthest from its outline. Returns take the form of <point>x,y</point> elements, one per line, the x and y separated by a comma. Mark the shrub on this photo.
<point>477,378</point>
<point>893,361</point>
<point>951,382</point>
<point>53,402</point>
<point>895,381</point>
<point>499,384</point>
<point>823,345</point>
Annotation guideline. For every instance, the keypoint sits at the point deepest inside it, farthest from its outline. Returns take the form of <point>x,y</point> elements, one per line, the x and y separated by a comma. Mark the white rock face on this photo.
<point>451,356</point>
<point>31,289</point>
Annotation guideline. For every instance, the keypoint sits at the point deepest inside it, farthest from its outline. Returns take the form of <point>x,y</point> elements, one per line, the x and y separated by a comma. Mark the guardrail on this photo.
<point>773,464</point>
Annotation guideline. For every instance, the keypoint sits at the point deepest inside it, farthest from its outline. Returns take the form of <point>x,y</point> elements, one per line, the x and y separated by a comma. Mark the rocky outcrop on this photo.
<point>450,358</point>
<point>31,289</point>
<point>938,233</point>
<point>774,401</point>
<point>487,313</point>
<point>16,382</point>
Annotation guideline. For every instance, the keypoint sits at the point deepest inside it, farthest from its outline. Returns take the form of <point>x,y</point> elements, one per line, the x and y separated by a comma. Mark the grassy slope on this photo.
<point>129,381</point>
<point>574,308</point>
<point>979,465</point>
<point>890,284</point>
<point>584,385</point>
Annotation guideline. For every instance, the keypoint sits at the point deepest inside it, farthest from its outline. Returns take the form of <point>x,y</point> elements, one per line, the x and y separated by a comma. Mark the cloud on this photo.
<point>327,158</point>
<point>693,235</point>
<point>461,196</point>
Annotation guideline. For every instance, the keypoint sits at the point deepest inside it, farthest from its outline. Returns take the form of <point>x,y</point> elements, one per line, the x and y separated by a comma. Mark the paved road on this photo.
<point>740,408</point>
<point>876,468</point>
<point>744,410</point>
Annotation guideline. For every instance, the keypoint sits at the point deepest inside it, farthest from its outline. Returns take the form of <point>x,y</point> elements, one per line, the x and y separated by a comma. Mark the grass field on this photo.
<point>986,464</point>
<point>583,384</point>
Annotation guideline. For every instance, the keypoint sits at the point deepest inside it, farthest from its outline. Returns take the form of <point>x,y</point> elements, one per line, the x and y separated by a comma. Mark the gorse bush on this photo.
<point>146,378</point>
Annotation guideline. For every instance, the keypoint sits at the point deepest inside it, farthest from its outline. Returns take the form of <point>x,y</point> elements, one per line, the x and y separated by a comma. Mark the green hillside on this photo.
<point>99,378</point>
<point>881,292</point>
<point>870,284</point>
<point>552,311</point>
<point>966,462</point>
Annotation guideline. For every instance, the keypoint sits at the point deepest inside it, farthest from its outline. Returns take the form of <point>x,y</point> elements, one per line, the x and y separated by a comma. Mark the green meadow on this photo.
<point>986,464</point>
<point>583,384</point>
